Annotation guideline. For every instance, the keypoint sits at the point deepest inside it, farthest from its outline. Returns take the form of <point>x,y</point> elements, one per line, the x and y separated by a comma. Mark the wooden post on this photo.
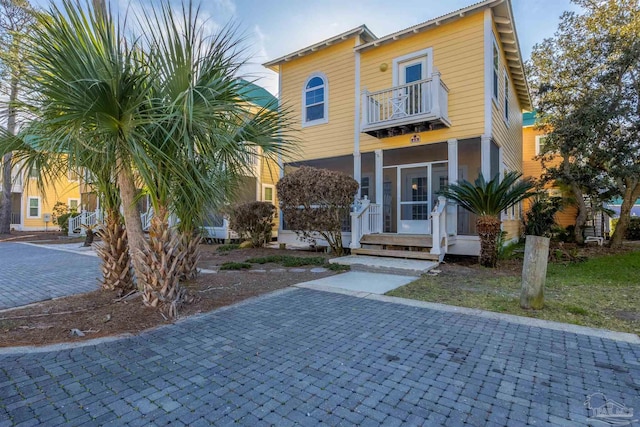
<point>534,272</point>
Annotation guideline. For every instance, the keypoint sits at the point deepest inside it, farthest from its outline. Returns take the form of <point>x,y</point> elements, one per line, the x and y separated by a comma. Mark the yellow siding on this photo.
<point>513,228</point>
<point>337,62</point>
<point>508,136</point>
<point>59,191</point>
<point>533,168</point>
<point>458,54</point>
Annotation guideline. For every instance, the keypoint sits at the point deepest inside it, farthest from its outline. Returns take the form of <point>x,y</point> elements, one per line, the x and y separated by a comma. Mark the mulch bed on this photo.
<point>102,313</point>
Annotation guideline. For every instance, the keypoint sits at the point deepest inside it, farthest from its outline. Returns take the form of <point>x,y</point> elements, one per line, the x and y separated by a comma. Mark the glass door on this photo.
<point>413,206</point>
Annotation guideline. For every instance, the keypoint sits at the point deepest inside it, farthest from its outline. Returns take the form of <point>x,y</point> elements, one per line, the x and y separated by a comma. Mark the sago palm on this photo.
<point>487,199</point>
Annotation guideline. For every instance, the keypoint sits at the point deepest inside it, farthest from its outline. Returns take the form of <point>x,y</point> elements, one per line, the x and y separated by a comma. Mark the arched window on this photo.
<point>315,100</point>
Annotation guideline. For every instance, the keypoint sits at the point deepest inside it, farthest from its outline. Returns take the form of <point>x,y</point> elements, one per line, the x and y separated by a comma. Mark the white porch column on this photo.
<point>357,171</point>
<point>485,155</point>
<point>451,209</point>
<point>452,145</point>
<point>379,186</point>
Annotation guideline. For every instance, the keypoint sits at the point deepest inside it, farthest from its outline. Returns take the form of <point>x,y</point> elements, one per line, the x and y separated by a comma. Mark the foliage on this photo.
<point>487,200</point>
<point>288,261</point>
<point>633,231</point>
<point>235,266</point>
<point>228,248</point>
<point>539,220</point>
<point>63,221</point>
<point>60,208</point>
<point>585,82</point>
<point>314,203</point>
<point>253,220</point>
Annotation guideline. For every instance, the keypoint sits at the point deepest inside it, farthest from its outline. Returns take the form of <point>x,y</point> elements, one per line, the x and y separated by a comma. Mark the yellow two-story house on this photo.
<point>32,204</point>
<point>408,113</point>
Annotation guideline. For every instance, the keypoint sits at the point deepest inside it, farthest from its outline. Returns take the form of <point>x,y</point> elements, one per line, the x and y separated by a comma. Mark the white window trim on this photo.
<point>77,200</point>
<point>537,146</point>
<point>273,193</point>
<point>427,54</point>
<point>29,216</point>
<point>325,118</point>
<point>507,96</point>
<point>495,70</point>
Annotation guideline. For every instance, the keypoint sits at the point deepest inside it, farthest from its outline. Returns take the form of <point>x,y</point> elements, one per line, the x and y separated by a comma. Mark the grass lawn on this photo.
<point>601,292</point>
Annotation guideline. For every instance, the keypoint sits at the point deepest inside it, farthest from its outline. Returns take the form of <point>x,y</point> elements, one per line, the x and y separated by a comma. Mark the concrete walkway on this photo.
<point>306,357</point>
<point>29,273</point>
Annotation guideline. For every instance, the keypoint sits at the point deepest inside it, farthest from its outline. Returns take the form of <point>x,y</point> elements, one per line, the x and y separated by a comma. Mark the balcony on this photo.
<point>406,109</point>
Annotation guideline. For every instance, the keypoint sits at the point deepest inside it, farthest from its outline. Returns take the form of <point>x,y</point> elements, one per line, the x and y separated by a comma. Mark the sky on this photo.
<point>273,28</point>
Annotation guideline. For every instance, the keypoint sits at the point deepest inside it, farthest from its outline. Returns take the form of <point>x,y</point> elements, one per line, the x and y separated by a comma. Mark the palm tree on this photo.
<point>487,200</point>
<point>156,105</point>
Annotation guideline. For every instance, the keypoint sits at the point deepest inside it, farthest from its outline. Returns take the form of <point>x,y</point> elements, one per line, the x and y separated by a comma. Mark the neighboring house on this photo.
<point>32,208</point>
<point>259,182</point>
<point>406,114</point>
<point>532,140</point>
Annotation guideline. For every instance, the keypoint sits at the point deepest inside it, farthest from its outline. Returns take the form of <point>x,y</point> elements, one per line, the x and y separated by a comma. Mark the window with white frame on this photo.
<point>496,67</point>
<point>33,207</point>
<point>539,143</point>
<point>507,94</point>
<point>268,191</point>
<point>34,172</point>
<point>74,204</point>
<point>314,100</point>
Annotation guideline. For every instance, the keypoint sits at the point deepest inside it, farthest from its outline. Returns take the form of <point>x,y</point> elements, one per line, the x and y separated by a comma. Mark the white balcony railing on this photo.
<point>421,101</point>
<point>365,219</point>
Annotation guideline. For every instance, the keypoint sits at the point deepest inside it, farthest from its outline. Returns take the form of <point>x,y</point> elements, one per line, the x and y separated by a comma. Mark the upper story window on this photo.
<point>496,67</point>
<point>314,100</point>
<point>540,139</point>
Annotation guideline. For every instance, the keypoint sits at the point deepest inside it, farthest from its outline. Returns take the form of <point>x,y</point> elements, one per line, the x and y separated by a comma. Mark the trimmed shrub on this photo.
<point>314,203</point>
<point>539,220</point>
<point>253,221</point>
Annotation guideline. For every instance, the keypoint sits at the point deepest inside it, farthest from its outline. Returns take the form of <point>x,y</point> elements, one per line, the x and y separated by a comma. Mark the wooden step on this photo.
<point>406,240</point>
<point>396,254</point>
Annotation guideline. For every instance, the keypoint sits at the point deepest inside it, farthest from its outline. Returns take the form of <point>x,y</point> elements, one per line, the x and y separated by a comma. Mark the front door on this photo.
<point>418,187</point>
<point>413,206</point>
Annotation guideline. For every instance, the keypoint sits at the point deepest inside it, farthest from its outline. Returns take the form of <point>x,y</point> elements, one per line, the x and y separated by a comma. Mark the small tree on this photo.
<point>487,200</point>
<point>539,221</point>
<point>253,220</point>
<point>315,202</point>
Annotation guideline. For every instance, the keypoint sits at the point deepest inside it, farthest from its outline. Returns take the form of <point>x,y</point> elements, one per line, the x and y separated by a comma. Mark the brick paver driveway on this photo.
<point>304,357</point>
<point>30,274</point>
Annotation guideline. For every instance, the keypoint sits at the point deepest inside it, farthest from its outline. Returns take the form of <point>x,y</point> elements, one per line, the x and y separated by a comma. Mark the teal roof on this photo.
<point>258,95</point>
<point>529,118</point>
<point>618,201</point>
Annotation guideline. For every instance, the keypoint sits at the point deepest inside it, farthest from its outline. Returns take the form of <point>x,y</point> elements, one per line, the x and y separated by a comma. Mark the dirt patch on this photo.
<point>211,256</point>
<point>101,313</point>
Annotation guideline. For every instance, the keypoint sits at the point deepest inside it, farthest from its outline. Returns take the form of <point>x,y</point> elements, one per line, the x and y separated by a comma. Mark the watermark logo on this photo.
<point>607,411</point>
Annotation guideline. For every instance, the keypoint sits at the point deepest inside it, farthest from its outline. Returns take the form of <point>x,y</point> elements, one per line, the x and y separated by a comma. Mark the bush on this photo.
<point>63,221</point>
<point>539,220</point>
<point>633,231</point>
<point>235,266</point>
<point>314,203</point>
<point>254,221</point>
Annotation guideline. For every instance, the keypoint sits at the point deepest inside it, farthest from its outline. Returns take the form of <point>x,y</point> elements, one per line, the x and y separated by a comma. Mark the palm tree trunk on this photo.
<point>114,252</point>
<point>162,263</point>
<point>488,228</point>
<point>133,224</point>
<point>190,248</point>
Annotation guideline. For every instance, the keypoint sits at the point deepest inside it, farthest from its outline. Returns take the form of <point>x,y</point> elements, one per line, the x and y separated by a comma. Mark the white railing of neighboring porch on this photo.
<point>145,219</point>
<point>366,218</point>
<point>428,97</point>
<point>439,234</point>
<point>85,218</point>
